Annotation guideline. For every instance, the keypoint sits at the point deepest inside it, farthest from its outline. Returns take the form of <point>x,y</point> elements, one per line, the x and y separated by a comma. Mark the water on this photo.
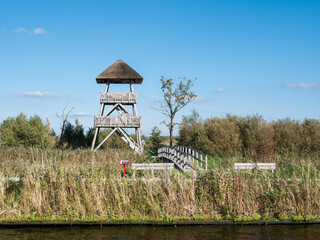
<point>234,232</point>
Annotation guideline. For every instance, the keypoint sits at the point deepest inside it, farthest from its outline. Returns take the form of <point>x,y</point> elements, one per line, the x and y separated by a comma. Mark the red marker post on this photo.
<point>124,163</point>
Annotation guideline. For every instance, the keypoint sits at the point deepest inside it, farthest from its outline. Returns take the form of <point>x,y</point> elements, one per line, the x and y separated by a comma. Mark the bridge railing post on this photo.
<point>176,154</point>
<point>206,163</point>
<point>197,159</point>
<point>184,159</point>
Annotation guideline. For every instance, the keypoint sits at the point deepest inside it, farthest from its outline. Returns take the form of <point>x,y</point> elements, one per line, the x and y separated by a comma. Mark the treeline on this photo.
<point>32,131</point>
<point>250,136</point>
<point>24,131</point>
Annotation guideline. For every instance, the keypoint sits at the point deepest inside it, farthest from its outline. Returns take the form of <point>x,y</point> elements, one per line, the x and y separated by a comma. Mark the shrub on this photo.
<point>311,136</point>
<point>287,136</point>
<point>251,136</point>
<point>221,137</point>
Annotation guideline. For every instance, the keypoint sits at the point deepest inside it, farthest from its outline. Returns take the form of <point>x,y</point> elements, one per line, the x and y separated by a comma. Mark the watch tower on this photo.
<point>119,73</point>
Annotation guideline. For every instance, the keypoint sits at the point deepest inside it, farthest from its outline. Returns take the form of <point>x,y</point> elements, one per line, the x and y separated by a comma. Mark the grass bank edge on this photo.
<point>166,219</point>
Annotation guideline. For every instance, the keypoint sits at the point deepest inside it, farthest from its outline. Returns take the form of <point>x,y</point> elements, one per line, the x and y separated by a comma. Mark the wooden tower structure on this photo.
<point>119,73</point>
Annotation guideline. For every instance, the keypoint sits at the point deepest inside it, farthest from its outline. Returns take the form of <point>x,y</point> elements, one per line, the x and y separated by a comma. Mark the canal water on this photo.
<point>235,232</point>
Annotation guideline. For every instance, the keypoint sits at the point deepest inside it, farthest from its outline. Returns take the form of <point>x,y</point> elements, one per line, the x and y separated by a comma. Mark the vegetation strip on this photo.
<point>53,190</point>
<point>140,223</point>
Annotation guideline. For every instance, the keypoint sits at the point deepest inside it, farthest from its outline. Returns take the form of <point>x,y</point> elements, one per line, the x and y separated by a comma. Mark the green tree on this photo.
<point>176,95</point>
<point>190,129</point>
<point>155,139</point>
<point>73,136</point>
<point>23,131</point>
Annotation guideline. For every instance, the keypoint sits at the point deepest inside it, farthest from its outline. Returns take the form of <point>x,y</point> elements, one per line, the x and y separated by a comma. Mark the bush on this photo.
<point>251,136</point>
<point>220,137</point>
<point>256,136</point>
<point>287,136</point>
<point>311,136</point>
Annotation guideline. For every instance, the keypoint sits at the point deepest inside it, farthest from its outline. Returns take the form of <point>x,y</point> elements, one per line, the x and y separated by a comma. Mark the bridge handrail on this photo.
<point>190,152</point>
<point>203,154</point>
<point>186,154</point>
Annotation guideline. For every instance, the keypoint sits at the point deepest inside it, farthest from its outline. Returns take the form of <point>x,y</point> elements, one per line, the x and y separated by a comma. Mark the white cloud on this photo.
<point>39,31</point>
<point>20,30</point>
<point>221,90</point>
<point>301,85</point>
<point>38,94</point>
<point>81,114</point>
<point>199,99</point>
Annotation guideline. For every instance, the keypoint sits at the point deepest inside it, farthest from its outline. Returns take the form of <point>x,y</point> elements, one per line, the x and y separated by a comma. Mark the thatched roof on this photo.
<point>119,72</point>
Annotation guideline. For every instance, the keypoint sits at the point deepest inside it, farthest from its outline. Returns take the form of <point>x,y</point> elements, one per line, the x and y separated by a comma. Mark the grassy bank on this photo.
<point>78,185</point>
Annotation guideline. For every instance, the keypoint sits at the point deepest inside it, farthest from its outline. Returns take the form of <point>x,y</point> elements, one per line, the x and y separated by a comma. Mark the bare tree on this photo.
<point>176,95</point>
<point>64,119</point>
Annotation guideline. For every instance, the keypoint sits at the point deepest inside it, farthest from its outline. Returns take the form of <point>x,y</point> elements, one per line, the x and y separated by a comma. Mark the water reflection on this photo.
<point>233,232</point>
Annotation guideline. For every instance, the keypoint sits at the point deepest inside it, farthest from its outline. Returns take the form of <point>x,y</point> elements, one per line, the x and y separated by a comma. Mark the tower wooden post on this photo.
<point>119,73</point>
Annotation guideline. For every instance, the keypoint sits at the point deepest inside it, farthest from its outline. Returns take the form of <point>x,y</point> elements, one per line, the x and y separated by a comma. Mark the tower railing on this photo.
<point>119,97</point>
<point>126,121</point>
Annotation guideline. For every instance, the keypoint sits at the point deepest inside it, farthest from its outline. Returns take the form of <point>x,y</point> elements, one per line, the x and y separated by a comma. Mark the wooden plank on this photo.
<point>267,166</point>
<point>152,166</point>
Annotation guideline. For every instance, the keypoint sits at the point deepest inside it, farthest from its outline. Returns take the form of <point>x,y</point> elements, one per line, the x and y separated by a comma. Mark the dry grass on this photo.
<point>80,185</point>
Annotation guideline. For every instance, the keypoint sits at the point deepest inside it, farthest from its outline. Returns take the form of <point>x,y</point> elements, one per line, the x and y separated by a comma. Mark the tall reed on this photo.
<point>81,185</point>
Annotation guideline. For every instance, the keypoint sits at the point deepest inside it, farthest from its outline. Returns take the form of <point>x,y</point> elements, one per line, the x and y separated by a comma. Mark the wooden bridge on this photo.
<point>185,158</point>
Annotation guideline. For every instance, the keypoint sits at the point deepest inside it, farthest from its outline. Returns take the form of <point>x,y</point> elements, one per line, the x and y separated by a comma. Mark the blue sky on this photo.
<point>249,57</point>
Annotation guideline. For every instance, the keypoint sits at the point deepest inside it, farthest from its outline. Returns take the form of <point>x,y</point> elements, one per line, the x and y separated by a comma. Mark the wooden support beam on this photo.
<point>125,137</point>
<point>124,109</point>
<point>100,114</point>
<point>111,110</point>
<point>104,140</point>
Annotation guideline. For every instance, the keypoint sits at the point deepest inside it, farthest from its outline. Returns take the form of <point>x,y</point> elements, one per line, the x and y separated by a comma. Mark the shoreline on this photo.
<point>23,224</point>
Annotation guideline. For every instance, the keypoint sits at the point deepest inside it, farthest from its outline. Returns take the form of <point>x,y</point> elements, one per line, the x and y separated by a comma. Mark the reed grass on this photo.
<point>79,185</point>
